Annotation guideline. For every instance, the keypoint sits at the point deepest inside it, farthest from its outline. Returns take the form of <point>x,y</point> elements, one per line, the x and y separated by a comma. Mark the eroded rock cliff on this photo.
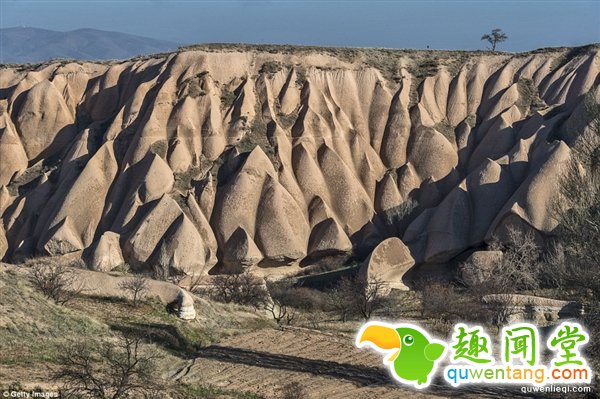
<point>256,158</point>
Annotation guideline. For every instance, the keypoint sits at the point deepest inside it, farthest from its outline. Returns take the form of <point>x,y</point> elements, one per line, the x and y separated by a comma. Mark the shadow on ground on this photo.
<point>356,374</point>
<point>172,340</point>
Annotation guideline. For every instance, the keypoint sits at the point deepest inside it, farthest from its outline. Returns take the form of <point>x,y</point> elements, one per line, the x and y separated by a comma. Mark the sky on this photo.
<point>442,24</point>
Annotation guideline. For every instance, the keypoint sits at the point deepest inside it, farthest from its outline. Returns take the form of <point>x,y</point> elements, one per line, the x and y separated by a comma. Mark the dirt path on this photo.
<point>328,366</point>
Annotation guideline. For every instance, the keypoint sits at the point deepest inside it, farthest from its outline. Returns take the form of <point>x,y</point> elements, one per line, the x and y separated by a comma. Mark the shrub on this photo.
<point>280,311</point>
<point>159,148</point>
<point>285,299</point>
<point>447,302</point>
<point>399,217</point>
<point>107,370</point>
<point>521,267</point>
<point>227,98</point>
<point>352,296</point>
<point>426,67</point>
<point>183,180</point>
<point>447,130</point>
<point>287,121</point>
<point>242,288</point>
<point>137,287</point>
<point>578,212</point>
<point>300,76</point>
<point>529,99</point>
<point>297,297</point>
<point>270,67</point>
<point>55,280</point>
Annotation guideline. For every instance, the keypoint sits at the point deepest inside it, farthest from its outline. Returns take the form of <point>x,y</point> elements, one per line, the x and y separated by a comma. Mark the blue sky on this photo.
<point>440,24</point>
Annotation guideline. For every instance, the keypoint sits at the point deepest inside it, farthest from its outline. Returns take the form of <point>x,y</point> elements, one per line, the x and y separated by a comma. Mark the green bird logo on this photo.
<point>411,353</point>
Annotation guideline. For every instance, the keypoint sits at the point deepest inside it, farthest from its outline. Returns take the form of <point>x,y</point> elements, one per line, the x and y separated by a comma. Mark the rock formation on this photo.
<point>254,158</point>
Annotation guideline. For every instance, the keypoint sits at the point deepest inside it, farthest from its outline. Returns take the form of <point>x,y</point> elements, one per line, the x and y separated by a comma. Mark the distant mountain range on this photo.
<point>24,45</point>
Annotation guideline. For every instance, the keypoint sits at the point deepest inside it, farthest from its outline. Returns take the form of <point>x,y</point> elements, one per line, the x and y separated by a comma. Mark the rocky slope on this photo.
<point>224,158</point>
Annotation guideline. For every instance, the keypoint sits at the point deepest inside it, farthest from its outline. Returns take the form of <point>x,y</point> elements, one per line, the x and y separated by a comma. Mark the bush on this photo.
<point>242,288</point>
<point>227,98</point>
<point>137,287</point>
<point>280,311</point>
<point>55,280</point>
<point>352,296</point>
<point>398,218</point>
<point>578,213</point>
<point>297,297</point>
<point>160,148</point>
<point>447,302</point>
<point>270,67</point>
<point>521,268</point>
<point>285,299</point>
<point>107,370</point>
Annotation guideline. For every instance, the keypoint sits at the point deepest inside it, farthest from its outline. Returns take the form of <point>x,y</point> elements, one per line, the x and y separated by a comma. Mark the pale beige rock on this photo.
<point>13,156</point>
<point>431,154</point>
<point>281,229</point>
<point>387,196</point>
<point>105,285</point>
<point>205,193</point>
<point>388,262</point>
<point>3,242</point>
<point>5,199</point>
<point>328,238</point>
<point>203,226</point>
<point>106,254</point>
<point>184,248</point>
<point>141,243</point>
<point>301,159</point>
<point>63,239</point>
<point>542,311</point>
<point>241,251</point>
<point>44,121</point>
<point>84,203</point>
<point>396,134</point>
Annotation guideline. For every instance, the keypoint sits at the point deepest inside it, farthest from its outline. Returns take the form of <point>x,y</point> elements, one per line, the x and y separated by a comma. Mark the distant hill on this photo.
<point>23,45</point>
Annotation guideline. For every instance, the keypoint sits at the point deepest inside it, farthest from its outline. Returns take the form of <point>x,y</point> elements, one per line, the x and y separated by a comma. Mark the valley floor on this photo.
<point>229,351</point>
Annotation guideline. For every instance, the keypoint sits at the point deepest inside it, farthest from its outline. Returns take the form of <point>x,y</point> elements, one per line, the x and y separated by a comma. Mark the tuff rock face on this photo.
<point>251,158</point>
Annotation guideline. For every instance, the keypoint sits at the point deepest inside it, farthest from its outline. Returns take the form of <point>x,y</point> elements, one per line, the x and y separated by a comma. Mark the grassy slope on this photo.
<point>33,329</point>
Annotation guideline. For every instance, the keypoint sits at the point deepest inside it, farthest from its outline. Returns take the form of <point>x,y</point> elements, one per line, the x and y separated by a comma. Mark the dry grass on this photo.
<point>33,329</point>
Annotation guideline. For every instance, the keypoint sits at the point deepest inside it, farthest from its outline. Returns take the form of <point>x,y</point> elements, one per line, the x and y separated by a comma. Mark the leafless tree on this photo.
<point>578,210</point>
<point>137,287</point>
<point>521,265</point>
<point>55,280</point>
<point>494,37</point>
<point>107,370</point>
<point>242,288</point>
<point>370,296</point>
<point>445,301</point>
<point>315,317</point>
<point>341,299</point>
<point>280,311</point>
<point>355,296</point>
<point>500,308</point>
